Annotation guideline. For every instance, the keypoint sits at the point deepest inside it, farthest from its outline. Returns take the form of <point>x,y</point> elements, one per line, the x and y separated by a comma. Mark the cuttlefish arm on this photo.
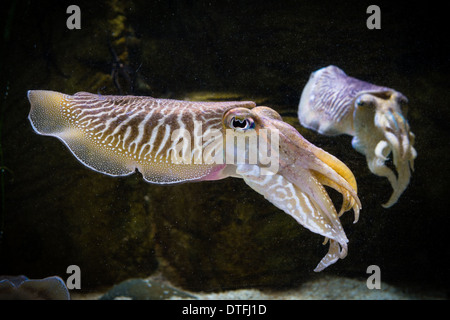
<point>167,141</point>
<point>333,103</point>
<point>386,133</point>
<point>117,135</point>
<point>297,187</point>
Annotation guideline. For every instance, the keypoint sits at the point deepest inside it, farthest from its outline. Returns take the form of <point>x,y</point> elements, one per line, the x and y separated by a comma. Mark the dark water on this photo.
<point>216,235</point>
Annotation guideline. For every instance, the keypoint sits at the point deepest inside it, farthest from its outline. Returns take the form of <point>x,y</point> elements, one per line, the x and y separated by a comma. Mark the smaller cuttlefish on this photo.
<point>117,135</point>
<point>333,103</point>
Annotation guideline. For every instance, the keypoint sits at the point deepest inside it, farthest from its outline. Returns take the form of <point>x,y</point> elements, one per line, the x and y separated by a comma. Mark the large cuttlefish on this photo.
<point>333,103</point>
<point>117,135</point>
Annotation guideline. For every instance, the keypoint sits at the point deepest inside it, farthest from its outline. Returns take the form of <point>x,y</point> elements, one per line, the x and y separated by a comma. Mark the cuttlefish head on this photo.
<point>381,129</point>
<point>296,183</point>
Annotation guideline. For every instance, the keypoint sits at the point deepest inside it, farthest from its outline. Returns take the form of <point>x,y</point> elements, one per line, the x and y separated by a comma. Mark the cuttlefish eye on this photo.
<point>241,120</point>
<point>243,124</point>
<point>365,100</point>
<point>403,103</point>
<point>402,100</point>
<point>360,102</point>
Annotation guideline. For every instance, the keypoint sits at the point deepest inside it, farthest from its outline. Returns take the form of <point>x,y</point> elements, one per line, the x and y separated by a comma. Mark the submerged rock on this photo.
<point>144,289</point>
<point>22,288</point>
<point>322,288</point>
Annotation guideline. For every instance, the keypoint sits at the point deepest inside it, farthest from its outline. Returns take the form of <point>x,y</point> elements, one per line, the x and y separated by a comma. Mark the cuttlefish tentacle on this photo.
<point>289,198</point>
<point>163,139</point>
<point>303,170</point>
<point>348,201</point>
<point>399,141</point>
<point>333,103</point>
<point>382,130</point>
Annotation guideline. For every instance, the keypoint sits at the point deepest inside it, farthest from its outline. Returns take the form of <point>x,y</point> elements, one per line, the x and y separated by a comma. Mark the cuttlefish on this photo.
<point>119,135</point>
<point>333,103</point>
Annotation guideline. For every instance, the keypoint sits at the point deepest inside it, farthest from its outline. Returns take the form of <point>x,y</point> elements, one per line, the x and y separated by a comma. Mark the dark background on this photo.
<point>55,212</point>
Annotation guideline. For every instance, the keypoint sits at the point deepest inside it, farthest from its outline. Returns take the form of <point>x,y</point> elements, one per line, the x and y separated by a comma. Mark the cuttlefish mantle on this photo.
<point>171,141</point>
<point>333,103</point>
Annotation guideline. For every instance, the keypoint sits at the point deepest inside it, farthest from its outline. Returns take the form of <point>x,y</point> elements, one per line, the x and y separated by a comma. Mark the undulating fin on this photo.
<point>45,115</point>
